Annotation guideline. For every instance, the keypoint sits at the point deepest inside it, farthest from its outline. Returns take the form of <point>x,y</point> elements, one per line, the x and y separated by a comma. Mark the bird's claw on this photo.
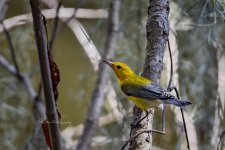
<point>171,87</point>
<point>134,125</point>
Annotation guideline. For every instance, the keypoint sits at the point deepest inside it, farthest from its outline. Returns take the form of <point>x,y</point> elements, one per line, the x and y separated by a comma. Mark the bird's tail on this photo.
<point>178,102</point>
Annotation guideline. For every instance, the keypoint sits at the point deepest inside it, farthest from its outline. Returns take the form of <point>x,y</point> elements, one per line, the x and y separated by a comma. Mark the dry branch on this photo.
<point>38,106</point>
<point>12,51</point>
<point>51,13</point>
<point>45,73</point>
<point>12,70</point>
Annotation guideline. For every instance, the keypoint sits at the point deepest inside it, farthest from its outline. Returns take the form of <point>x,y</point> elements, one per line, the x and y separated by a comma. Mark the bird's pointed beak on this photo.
<point>108,62</point>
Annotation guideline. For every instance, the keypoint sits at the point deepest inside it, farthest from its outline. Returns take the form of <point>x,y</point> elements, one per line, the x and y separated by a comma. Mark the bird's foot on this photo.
<point>136,124</point>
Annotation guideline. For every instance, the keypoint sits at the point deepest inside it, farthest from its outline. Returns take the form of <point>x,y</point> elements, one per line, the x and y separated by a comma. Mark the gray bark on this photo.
<point>157,35</point>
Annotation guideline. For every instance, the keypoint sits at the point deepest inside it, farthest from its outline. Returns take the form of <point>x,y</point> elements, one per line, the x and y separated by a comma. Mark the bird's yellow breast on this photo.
<point>143,103</point>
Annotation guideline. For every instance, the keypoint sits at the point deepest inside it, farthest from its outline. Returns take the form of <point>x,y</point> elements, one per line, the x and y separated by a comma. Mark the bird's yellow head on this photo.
<point>121,70</point>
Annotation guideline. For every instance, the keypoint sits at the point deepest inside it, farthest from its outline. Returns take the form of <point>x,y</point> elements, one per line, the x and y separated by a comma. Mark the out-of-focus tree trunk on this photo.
<point>157,35</point>
<point>199,88</point>
<point>198,71</point>
<point>97,98</point>
<point>197,77</point>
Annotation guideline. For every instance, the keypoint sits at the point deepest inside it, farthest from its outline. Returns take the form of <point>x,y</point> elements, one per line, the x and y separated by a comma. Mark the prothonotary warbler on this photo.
<point>142,91</point>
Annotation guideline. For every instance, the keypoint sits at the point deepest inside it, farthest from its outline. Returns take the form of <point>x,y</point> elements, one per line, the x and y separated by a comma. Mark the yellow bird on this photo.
<point>142,91</point>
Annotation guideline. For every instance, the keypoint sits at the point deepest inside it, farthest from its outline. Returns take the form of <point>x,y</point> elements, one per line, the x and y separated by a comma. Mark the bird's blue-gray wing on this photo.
<point>149,91</point>
<point>152,92</point>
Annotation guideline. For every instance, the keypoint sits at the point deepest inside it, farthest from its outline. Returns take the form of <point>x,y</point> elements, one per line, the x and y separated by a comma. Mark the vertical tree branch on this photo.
<point>45,72</point>
<point>157,35</point>
<point>98,93</point>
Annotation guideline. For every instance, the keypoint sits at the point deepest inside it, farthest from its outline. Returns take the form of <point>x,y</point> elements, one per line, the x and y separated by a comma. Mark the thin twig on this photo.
<point>75,10</point>
<point>203,9</point>
<point>12,51</point>
<point>171,87</point>
<point>132,138</point>
<point>5,64</point>
<point>186,11</point>
<point>14,69</point>
<point>141,132</point>
<point>184,123</point>
<point>41,41</point>
<point>25,79</point>
<point>55,28</point>
<point>220,141</point>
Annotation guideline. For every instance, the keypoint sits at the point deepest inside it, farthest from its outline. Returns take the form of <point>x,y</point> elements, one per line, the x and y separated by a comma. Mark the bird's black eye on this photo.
<point>118,67</point>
